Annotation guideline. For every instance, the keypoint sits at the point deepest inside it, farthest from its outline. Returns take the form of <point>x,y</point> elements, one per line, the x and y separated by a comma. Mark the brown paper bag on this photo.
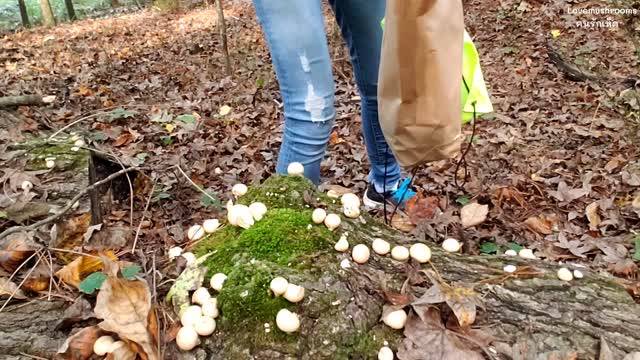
<point>420,80</point>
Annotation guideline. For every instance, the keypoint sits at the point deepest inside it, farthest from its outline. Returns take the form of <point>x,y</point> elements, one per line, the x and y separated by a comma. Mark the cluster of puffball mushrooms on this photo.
<point>198,319</point>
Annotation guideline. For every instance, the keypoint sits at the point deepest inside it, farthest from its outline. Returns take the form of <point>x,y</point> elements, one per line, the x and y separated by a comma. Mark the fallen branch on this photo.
<point>26,100</point>
<point>69,205</point>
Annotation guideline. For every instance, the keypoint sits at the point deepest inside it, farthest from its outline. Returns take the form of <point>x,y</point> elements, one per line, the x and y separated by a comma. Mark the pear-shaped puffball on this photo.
<point>191,315</point>
<point>217,281</point>
<point>205,326</point>
<point>332,221</point>
<point>351,212</point>
<point>79,143</point>
<point>278,285</point>
<point>243,217</point>
<point>50,164</point>
<point>400,253</point>
<point>189,257</point>
<point>350,200</point>
<point>385,353</point>
<point>200,296</point>
<point>103,345</point>
<point>196,232</point>
<point>360,253</point>
<point>396,319</point>
<point>526,254</point>
<point>318,215</point>
<point>239,189</point>
<point>451,245</point>
<point>257,210</point>
<point>26,185</point>
<point>187,338</point>
<point>510,252</point>
<point>294,293</point>
<point>381,247</point>
<point>287,321</point>
<point>510,268</point>
<point>578,274</point>
<point>565,274</point>
<point>295,168</point>
<point>211,225</point>
<point>174,252</point>
<point>210,308</point>
<point>342,245</point>
<point>420,252</point>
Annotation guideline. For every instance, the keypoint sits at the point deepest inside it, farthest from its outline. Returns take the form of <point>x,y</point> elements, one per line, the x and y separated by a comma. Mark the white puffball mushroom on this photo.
<point>526,254</point>
<point>345,264</point>
<point>385,353</point>
<point>196,232</point>
<point>295,168</point>
<point>510,252</point>
<point>279,285</point>
<point>210,308</point>
<point>79,143</point>
<point>342,245</point>
<point>75,149</point>
<point>351,212</point>
<point>205,326</point>
<point>381,247</point>
<point>510,268</point>
<point>190,257</point>
<point>578,274</point>
<point>396,319</point>
<point>287,321</point>
<point>187,338</point>
<point>103,345</point>
<point>26,185</point>
<point>360,253</point>
<point>211,225</point>
<point>191,315</point>
<point>174,252</point>
<point>239,189</point>
<point>350,200</point>
<point>200,296</point>
<point>258,210</point>
<point>116,345</point>
<point>451,245</point>
<point>50,164</point>
<point>294,293</point>
<point>400,253</point>
<point>217,280</point>
<point>243,217</point>
<point>565,274</point>
<point>332,221</point>
<point>318,215</point>
<point>420,252</point>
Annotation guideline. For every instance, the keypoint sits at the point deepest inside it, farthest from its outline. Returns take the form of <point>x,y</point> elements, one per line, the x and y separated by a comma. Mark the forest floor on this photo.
<point>557,162</point>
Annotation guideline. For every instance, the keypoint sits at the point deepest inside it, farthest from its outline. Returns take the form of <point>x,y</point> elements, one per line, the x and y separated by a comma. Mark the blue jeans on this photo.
<point>295,32</point>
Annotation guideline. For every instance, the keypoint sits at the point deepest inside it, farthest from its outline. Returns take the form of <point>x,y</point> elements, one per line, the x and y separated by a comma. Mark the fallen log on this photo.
<point>25,100</point>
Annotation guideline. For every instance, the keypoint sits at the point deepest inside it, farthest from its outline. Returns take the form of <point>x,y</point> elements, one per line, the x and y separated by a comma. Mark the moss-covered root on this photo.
<point>284,191</point>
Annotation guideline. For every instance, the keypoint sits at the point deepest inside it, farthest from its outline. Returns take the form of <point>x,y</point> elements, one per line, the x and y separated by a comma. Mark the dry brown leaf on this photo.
<point>335,139</point>
<point>70,235</point>
<point>37,284</point>
<point>7,288</point>
<point>565,194</point>
<point>79,346</point>
<point>538,225</point>
<point>473,214</point>
<point>402,223</point>
<point>125,307</point>
<point>624,267</point>
<point>15,252</point>
<point>420,209</point>
<point>593,216</point>
<point>74,272</point>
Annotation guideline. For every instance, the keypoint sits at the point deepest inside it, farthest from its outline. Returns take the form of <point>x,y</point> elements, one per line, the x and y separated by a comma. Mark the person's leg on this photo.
<point>297,41</point>
<point>359,21</point>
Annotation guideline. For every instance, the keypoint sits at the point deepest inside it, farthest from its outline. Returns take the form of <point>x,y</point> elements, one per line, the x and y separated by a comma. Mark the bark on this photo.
<point>25,100</point>
<point>47,13</point>
<point>24,14</point>
<point>70,10</point>
<point>223,37</point>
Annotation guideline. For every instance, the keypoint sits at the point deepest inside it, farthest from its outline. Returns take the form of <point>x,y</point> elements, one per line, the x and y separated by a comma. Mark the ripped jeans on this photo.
<point>296,36</point>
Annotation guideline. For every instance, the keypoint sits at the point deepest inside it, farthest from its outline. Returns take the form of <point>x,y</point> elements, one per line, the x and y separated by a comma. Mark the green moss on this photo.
<point>366,343</point>
<point>38,150</point>
<point>283,191</point>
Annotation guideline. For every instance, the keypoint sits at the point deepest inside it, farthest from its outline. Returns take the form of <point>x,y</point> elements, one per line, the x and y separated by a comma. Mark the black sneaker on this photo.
<point>374,200</point>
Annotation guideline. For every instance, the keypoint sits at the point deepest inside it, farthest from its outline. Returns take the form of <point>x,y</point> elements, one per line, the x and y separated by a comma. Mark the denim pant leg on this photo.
<point>359,21</point>
<point>296,36</point>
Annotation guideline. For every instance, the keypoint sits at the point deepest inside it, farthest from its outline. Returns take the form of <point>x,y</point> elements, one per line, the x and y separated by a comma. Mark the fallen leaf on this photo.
<point>79,346</point>
<point>8,288</point>
<point>75,271</point>
<point>420,209</point>
<point>402,223</point>
<point>37,284</point>
<point>124,139</point>
<point>538,225</point>
<point>565,194</point>
<point>555,33</point>
<point>473,214</point>
<point>631,179</point>
<point>80,310</point>
<point>625,267</point>
<point>224,110</point>
<point>335,139</point>
<point>123,352</point>
<point>593,216</point>
<point>15,252</point>
<point>614,164</point>
<point>125,306</point>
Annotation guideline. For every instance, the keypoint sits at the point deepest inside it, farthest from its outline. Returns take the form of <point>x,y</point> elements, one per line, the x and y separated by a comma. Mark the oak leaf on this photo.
<point>473,214</point>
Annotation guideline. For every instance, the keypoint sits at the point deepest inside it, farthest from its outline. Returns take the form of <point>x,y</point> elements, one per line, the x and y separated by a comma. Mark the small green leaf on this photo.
<point>3,215</point>
<point>162,117</point>
<point>463,200</point>
<point>120,113</point>
<point>636,254</point>
<point>515,247</point>
<point>489,248</point>
<point>141,158</point>
<point>187,118</point>
<point>207,201</point>
<point>166,140</point>
<point>92,283</point>
<point>98,136</point>
<point>260,82</point>
<point>130,272</point>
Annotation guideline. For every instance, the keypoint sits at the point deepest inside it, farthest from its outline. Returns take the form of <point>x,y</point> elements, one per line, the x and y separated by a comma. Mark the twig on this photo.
<point>67,207</point>
<point>33,356</point>
<point>192,183</point>
<point>73,252</point>
<point>21,283</point>
<point>146,207</point>
<point>93,115</point>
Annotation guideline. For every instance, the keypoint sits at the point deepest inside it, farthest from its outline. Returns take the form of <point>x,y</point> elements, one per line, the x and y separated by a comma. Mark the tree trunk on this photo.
<point>47,14</point>
<point>223,37</point>
<point>70,10</point>
<point>23,14</point>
